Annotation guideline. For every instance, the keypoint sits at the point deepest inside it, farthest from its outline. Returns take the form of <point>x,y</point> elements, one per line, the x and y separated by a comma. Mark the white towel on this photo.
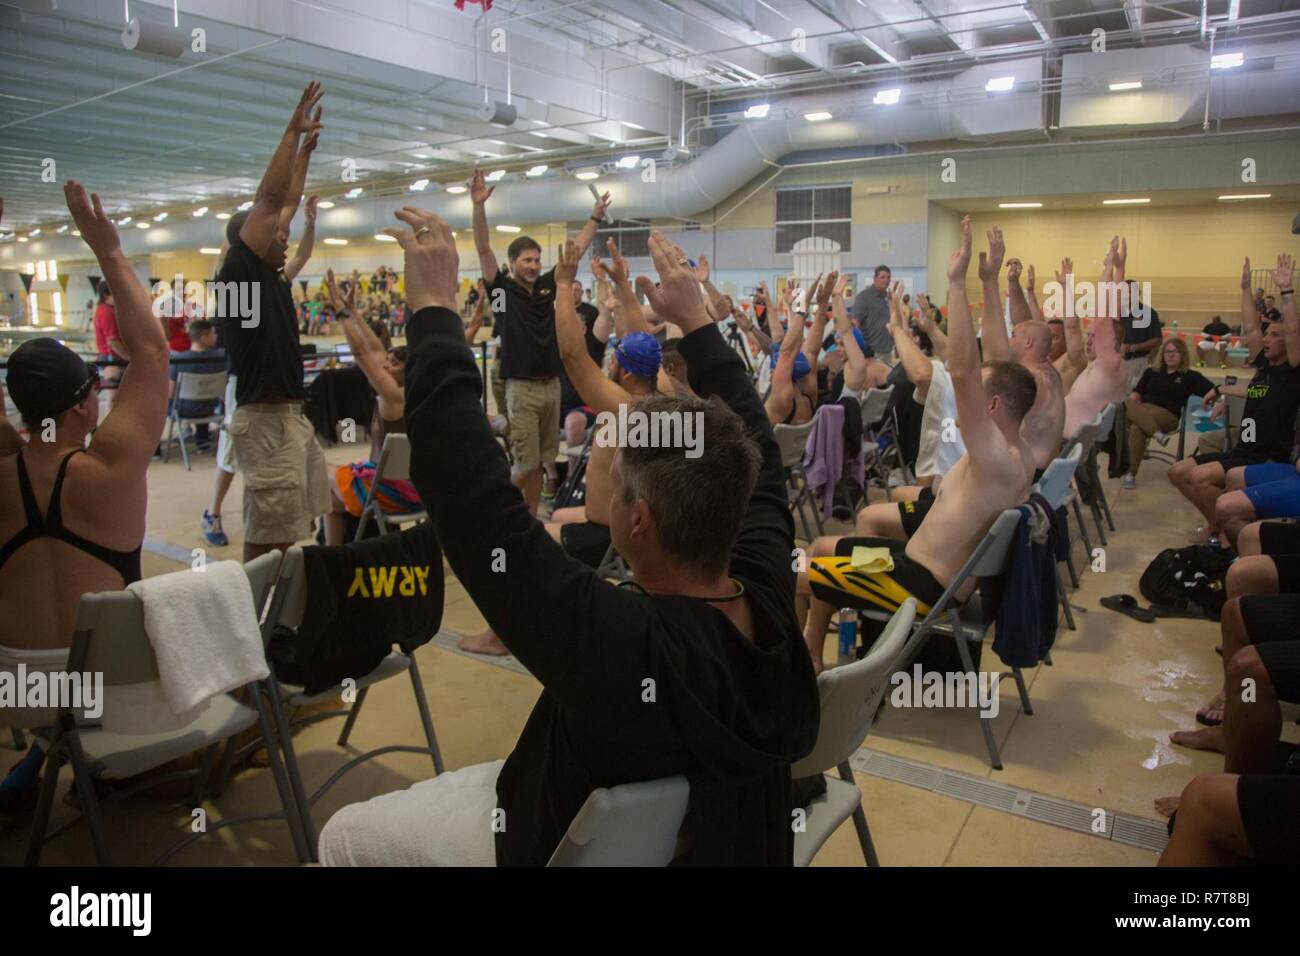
<point>204,633</point>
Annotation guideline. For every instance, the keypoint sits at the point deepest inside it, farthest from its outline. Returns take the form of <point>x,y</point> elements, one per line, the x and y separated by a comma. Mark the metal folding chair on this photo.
<point>394,465</point>
<point>793,441</point>
<point>192,387</point>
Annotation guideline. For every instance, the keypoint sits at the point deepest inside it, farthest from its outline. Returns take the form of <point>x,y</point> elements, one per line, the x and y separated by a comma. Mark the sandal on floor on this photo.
<point>1189,611</point>
<point>1127,604</point>
<point>1206,721</point>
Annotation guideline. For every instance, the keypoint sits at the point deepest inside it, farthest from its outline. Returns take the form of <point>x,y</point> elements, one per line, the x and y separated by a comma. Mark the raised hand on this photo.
<point>479,191</point>
<point>1029,279</point>
<point>96,228</point>
<point>702,269</point>
<point>566,266</point>
<point>1245,275</point>
<point>677,298</point>
<point>310,211</point>
<point>991,262</point>
<point>959,262</point>
<point>306,115</point>
<point>340,300</point>
<point>1067,270</point>
<point>827,289</point>
<point>1284,272</point>
<point>598,210</point>
<point>1121,256</point>
<point>432,263</point>
<point>1013,270</point>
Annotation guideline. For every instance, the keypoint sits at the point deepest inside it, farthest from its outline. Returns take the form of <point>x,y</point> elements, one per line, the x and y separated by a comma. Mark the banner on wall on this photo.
<point>27,280</point>
<point>94,284</point>
<point>303,283</point>
<point>63,281</point>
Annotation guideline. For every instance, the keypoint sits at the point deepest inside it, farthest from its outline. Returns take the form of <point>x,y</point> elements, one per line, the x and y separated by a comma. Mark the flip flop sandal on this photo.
<point>1205,721</point>
<point>1127,604</point>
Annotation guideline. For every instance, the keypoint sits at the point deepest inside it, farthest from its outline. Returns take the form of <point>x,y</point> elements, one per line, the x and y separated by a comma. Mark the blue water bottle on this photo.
<point>848,633</point>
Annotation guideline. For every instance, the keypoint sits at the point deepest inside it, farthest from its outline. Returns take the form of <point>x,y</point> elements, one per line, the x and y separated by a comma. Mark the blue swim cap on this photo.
<point>639,353</point>
<point>801,364</point>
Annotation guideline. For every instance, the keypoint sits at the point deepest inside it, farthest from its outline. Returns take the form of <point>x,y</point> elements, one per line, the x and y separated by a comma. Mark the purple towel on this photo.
<point>823,457</point>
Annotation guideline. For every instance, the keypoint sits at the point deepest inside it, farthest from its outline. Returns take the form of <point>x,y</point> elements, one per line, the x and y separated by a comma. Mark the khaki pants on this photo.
<point>285,482</point>
<point>1145,420</point>
<point>534,412</point>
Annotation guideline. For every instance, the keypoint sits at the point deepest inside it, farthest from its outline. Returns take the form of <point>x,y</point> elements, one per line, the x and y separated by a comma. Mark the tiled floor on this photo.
<point>1098,736</point>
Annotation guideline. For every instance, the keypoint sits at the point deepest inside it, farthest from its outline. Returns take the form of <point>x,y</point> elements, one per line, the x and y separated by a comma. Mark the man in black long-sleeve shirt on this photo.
<point>700,670</point>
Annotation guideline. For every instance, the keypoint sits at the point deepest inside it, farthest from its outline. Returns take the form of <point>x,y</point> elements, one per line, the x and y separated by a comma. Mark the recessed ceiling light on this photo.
<point>538,170</point>
<point>758,112</point>
<point>495,176</point>
<point>61,230</point>
<point>1126,85</point>
<point>1125,202</point>
<point>1226,61</point>
<point>209,251</point>
<point>587,174</point>
<point>223,215</point>
<point>245,206</point>
<point>200,212</point>
<point>887,97</point>
<point>456,190</point>
<point>335,242</point>
<point>384,237</point>
<point>160,217</point>
<point>1020,205</point>
<point>509,229</point>
<point>1246,196</point>
<point>324,204</point>
<point>817,117</point>
<point>142,225</point>
<point>419,185</point>
<point>1000,84</point>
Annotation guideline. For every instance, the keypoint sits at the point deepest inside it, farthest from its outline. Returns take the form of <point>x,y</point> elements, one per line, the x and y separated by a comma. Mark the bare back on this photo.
<point>42,582</point>
<point>1044,426</point>
<point>965,507</point>
<point>1093,390</point>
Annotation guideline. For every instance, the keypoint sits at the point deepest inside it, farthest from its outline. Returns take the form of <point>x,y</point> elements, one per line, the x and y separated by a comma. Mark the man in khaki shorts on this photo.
<point>285,481</point>
<point>523,314</point>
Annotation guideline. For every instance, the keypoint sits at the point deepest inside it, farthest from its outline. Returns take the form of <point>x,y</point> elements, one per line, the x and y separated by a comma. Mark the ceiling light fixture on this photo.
<point>419,185</point>
<point>817,117</point>
<point>324,204</point>
<point>758,112</point>
<point>1020,205</point>
<point>335,242</point>
<point>200,212</point>
<point>1000,84</point>
<point>510,229</point>
<point>1226,61</point>
<point>1125,202</point>
<point>1126,85</point>
<point>538,170</point>
<point>456,190</point>
<point>1246,196</point>
<point>887,97</point>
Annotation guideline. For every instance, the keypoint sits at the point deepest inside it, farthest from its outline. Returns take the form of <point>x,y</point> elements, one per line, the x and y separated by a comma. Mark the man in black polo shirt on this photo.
<point>285,484</point>
<point>1272,398</point>
<point>523,312</point>
<point>1141,337</point>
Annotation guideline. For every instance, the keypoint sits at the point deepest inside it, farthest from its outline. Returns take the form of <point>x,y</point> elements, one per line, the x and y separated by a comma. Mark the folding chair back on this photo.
<point>792,440</point>
<point>289,601</point>
<point>850,695</point>
<point>635,824</point>
<point>200,386</point>
<point>1105,421</point>
<point>1055,483</point>
<point>120,650</point>
<point>874,404</point>
<point>394,465</point>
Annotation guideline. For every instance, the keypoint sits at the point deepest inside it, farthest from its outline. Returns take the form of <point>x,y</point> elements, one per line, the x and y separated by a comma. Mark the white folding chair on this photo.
<point>288,603</point>
<point>192,387</point>
<point>1055,488</point>
<point>634,824</point>
<point>850,695</point>
<point>793,442</point>
<point>394,465</point>
<point>110,639</point>
<point>876,412</point>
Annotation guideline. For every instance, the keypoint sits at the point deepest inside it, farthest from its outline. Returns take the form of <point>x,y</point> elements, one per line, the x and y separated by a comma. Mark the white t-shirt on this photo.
<point>937,456</point>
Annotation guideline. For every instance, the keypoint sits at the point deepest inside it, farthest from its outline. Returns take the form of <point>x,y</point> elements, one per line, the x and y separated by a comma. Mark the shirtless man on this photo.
<point>72,518</point>
<point>994,474</point>
<point>1030,345</point>
<point>584,531</point>
<point>787,402</point>
<point>1104,380</point>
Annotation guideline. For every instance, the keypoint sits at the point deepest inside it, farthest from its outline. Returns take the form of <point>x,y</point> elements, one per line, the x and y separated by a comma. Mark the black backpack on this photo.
<point>1188,578</point>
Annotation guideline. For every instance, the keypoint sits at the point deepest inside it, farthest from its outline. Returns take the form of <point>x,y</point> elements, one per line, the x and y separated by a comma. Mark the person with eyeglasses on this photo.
<point>384,369</point>
<point>72,515</point>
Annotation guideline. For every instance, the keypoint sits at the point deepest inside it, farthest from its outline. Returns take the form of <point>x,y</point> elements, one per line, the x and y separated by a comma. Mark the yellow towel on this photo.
<point>872,560</point>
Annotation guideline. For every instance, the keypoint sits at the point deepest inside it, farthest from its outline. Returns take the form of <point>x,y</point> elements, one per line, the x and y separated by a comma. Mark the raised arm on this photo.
<point>1020,311</point>
<point>1252,334</point>
<point>1105,334</point>
<point>1076,352</point>
<point>276,191</point>
<point>820,293</point>
<point>1284,275</point>
<point>629,316</point>
<point>782,395</point>
<point>993,329</point>
<point>915,364</point>
<point>984,443</point>
<point>1031,300</point>
<point>589,227</point>
<point>128,436</point>
<point>570,334</point>
<point>479,193</point>
<point>302,255</point>
<point>476,320</point>
<point>750,327</point>
<point>605,302</point>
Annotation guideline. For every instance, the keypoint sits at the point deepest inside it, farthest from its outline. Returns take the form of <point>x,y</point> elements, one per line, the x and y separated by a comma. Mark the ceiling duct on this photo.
<point>147,36</point>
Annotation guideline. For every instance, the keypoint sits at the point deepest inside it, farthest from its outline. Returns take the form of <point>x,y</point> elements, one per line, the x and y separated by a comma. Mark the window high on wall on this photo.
<point>805,211</point>
<point>632,236</point>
